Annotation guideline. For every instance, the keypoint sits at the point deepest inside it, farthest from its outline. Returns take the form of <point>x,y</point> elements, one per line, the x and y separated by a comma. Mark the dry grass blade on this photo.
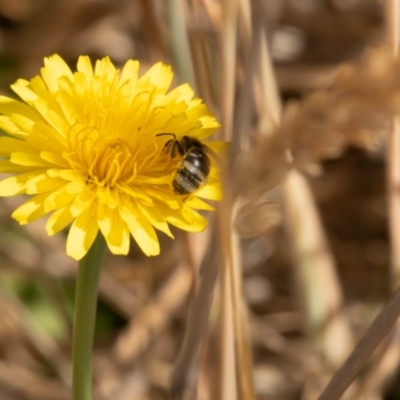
<point>393,150</point>
<point>15,325</point>
<point>118,296</point>
<point>180,41</point>
<point>240,319</point>
<point>353,111</point>
<point>305,231</point>
<point>393,171</point>
<point>236,360</point>
<point>201,53</point>
<point>154,316</point>
<point>184,379</point>
<point>30,385</point>
<point>266,90</point>
<point>152,28</point>
<point>315,271</point>
<point>228,382</point>
<point>375,335</point>
<point>243,116</point>
<point>380,370</point>
<point>228,385</point>
<point>387,317</point>
<point>228,65</point>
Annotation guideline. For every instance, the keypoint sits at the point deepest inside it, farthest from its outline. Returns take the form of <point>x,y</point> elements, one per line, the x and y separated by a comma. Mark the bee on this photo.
<point>195,166</point>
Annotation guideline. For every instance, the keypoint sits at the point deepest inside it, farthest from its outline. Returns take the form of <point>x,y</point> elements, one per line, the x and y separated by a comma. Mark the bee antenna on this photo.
<point>167,134</point>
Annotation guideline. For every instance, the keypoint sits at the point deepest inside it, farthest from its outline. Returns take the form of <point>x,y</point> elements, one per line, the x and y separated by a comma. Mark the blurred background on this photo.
<point>311,256</point>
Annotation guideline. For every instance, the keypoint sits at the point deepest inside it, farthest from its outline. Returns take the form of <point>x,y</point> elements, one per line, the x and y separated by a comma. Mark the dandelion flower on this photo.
<point>86,146</point>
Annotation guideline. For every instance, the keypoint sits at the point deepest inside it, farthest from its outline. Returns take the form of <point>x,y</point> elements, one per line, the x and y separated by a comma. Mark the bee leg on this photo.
<point>167,147</point>
<point>177,149</point>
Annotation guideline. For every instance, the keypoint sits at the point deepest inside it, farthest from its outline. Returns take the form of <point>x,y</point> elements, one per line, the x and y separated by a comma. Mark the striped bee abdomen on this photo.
<point>193,172</point>
<point>195,166</point>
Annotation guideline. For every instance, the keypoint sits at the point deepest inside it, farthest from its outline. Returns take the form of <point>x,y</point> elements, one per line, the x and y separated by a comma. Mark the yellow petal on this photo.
<point>85,66</point>
<point>185,93</point>
<point>140,228</point>
<point>81,235</point>
<point>209,126</point>
<point>9,145</point>
<point>43,183</point>
<point>44,134</point>
<point>58,198</point>
<point>157,219</point>
<point>129,74</point>
<point>7,167</point>
<point>54,158</point>
<point>75,187</point>
<point>13,107</point>
<point>8,126</point>
<point>23,89</point>
<point>82,202</point>
<point>55,67</point>
<point>68,107</point>
<point>31,210</point>
<point>16,184</point>
<point>115,231</point>
<point>197,223</point>
<point>23,123</point>
<point>161,76</point>
<point>197,204</point>
<point>58,220</point>
<point>29,160</point>
<point>210,192</point>
<point>105,67</point>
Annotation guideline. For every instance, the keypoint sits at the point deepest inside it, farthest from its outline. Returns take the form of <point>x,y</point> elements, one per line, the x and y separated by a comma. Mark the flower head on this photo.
<point>87,146</point>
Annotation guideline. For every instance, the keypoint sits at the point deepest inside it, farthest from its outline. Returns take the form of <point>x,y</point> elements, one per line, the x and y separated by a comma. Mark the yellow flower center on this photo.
<point>111,161</point>
<point>100,150</point>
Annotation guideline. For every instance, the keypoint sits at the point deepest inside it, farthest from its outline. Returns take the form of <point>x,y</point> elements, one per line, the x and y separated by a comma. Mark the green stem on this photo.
<point>85,318</point>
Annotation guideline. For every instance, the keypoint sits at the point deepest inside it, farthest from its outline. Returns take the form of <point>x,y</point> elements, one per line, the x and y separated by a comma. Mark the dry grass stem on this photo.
<point>244,356</point>
<point>393,149</point>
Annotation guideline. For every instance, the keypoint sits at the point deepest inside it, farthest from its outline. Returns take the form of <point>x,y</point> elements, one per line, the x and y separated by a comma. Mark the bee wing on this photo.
<point>217,150</point>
